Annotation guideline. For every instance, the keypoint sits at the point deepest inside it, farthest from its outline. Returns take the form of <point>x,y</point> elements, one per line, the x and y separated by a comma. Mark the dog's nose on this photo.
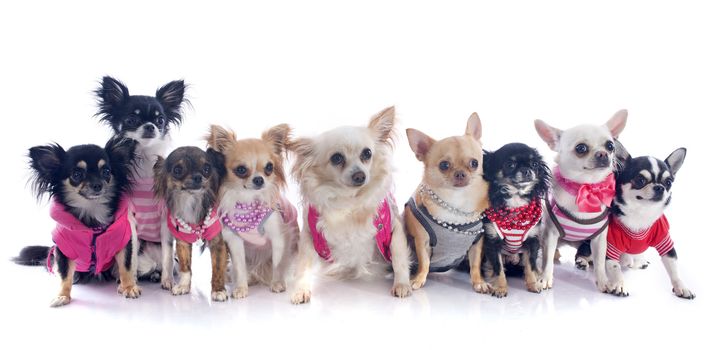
<point>658,189</point>
<point>359,178</point>
<point>601,155</point>
<point>459,175</point>
<point>149,127</point>
<point>197,179</point>
<point>97,187</point>
<point>527,173</point>
<point>258,181</point>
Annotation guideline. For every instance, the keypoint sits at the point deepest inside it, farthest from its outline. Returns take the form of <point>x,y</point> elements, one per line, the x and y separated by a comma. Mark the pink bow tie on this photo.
<point>590,197</point>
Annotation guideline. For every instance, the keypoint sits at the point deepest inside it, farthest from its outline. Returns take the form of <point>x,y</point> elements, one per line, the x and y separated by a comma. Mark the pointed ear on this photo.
<point>304,148</point>
<point>675,160</point>
<point>278,137</point>
<point>220,138</point>
<point>473,126</point>
<point>547,133</point>
<point>620,152</point>
<point>218,164</point>
<point>111,95</point>
<point>121,151</point>
<point>171,96</point>
<point>617,122</point>
<point>420,143</point>
<point>382,124</point>
<point>46,163</point>
<point>160,184</point>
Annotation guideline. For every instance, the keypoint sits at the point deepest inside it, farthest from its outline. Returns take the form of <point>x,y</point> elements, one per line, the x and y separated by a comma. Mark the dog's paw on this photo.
<point>278,286</point>
<point>680,291</point>
<point>581,264</point>
<point>482,287</point>
<point>155,277</point>
<point>301,296</point>
<point>604,286</point>
<point>534,287</point>
<point>401,290</point>
<point>240,292</point>
<point>181,289</point>
<point>130,291</point>
<point>220,295</point>
<point>418,282</point>
<point>546,281</point>
<point>166,283</point>
<point>617,289</point>
<point>60,300</point>
<point>499,291</point>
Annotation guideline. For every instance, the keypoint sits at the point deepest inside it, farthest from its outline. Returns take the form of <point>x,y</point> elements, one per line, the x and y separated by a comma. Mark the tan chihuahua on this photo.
<point>444,214</point>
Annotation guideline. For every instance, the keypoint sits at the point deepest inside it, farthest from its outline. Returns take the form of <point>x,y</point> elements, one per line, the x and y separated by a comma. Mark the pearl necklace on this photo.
<point>196,229</point>
<point>473,216</point>
<point>246,216</point>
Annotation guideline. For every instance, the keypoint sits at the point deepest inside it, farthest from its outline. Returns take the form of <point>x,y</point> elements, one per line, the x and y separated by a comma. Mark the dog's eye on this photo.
<point>639,181</point>
<point>206,170</point>
<point>444,165</point>
<point>269,168</point>
<point>668,183</point>
<point>177,171</point>
<point>581,149</point>
<point>241,171</point>
<point>77,175</point>
<point>534,164</point>
<point>473,164</point>
<point>106,173</point>
<point>610,146</point>
<point>366,154</point>
<point>510,165</point>
<point>160,120</point>
<point>132,122</point>
<point>337,159</point>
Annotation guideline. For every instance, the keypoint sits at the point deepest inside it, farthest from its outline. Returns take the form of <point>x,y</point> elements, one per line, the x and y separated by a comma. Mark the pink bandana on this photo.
<point>190,233</point>
<point>589,197</point>
<point>382,222</point>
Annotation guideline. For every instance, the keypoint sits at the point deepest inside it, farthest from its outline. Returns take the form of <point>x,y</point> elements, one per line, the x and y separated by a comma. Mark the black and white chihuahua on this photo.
<point>88,186</point>
<point>148,120</point>
<point>519,180</point>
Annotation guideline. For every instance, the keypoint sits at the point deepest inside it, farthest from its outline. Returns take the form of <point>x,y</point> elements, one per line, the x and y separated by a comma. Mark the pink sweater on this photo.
<point>148,210</point>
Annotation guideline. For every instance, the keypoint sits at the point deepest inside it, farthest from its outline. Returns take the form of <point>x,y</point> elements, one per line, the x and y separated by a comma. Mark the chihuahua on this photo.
<point>260,226</point>
<point>88,186</point>
<point>519,181</point>
<point>582,190</point>
<point>148,120</point>
<point>444,215</point>
<point>643,191</point>
<point>350,219</point>
<point>188,181</point>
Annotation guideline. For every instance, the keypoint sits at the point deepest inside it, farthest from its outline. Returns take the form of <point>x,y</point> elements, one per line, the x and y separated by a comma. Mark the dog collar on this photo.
<point>589,197</point>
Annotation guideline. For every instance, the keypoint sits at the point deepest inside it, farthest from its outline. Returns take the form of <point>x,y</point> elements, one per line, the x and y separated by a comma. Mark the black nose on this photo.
<point>197,179</point>
<point>359,178</point>
<point>258,181</point>
<point>97,187</point>
<point>149,128</point>
<point>527,174</point>
<point>601,155</point>
<point>658,189</point>
<point>460,175</point>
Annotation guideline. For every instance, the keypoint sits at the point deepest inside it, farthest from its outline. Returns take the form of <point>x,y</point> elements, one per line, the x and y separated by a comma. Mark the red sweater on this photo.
<point>622,240</point>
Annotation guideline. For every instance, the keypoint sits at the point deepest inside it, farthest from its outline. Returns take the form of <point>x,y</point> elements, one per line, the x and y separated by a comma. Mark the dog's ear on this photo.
<point>382,125</point>
<point>121,151</point>
<point>46,163</point>
<point>278,138</point>
<point>549,134</point>
<point>473,126</point>
<point>621,154</point>
<point>544,175</point>
<point>617,123</point>
<point>111,94</point>
<point>220,138</point>
<point>420,143</point>
<point>305,149</point>
<point>160,183</point>
<point>675,160</point>
<point>171,96</point>
<point>218,163</point>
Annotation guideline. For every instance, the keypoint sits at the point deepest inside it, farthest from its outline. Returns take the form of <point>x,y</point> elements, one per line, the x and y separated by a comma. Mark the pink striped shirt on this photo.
<point>574,229</point>
<point>148,210</point>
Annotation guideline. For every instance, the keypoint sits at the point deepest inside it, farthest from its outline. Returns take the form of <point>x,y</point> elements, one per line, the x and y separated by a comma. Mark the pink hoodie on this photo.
<point>90,247</point>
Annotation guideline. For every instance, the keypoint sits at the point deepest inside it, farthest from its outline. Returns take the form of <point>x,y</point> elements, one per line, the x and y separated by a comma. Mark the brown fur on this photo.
<point>127,281</point>
<point>218,253</point>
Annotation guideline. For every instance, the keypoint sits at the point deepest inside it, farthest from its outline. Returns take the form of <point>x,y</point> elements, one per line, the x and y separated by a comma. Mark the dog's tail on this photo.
<point>34,255</point>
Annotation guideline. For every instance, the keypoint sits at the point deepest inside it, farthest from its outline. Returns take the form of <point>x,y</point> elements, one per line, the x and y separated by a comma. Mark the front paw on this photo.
<point>181,289</point>
<point>301,296</point>
<point>60,300</point>
<point>401,290</point>
<point>534,287</point>
<point>682,292</point>
<point>617,289</point>
<point>546,281</point>
<point>166,283</point>
<point>482,287</point>
<point>130,291</point>
<point>604,286</point>
<point>278,286</point>
<point>499,291</point>
<point>220,295</point>
<point>581,264</point>
<point>418,282</point>
<point>240,292</point>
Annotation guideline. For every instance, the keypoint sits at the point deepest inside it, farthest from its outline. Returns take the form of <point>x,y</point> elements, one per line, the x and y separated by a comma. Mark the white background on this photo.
<point>318,65</point>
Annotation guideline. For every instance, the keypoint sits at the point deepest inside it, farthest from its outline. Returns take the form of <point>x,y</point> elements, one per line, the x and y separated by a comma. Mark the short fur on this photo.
<point>189,180</point>
<point>461,184</point>
<point>147,119</point>
<point>517,175</point>
<point>344,174</point>
<point>255,172</point>
<point>89,181</point>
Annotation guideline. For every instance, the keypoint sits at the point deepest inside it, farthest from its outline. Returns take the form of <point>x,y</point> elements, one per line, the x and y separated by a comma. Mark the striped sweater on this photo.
<point>148,210</point>
<point>622,240</point>
<point>573,229</point>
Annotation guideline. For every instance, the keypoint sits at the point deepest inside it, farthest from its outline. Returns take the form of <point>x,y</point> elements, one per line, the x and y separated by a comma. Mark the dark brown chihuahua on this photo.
<point>188,181</point>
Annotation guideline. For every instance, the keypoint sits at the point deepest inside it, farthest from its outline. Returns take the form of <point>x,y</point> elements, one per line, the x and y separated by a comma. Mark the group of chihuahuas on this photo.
<point>129,211</point>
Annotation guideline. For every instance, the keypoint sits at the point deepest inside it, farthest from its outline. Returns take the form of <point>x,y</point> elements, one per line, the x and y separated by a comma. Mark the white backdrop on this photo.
<point>317,65</point>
